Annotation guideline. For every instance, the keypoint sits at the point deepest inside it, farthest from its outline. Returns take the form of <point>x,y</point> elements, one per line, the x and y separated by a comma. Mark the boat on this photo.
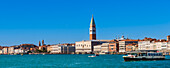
<point>96,54</point>
<point>92,56</point>
<point>144,56</point>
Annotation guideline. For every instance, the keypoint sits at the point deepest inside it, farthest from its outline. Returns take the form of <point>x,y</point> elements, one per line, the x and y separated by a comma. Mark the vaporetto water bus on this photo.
<point>144,56</point>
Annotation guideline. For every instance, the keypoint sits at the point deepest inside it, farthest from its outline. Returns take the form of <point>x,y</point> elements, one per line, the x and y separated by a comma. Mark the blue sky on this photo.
<point>67,21</point>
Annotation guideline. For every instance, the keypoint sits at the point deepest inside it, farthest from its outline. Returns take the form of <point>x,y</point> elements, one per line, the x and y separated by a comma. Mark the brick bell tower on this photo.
<point>92,29</point>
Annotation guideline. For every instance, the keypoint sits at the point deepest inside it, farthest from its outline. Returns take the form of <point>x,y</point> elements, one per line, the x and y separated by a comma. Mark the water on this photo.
<point>76,61</point>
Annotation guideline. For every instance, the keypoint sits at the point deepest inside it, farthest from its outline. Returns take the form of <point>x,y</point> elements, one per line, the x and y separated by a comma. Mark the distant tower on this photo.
<point>42,42</point>
<point>39,43</point>
<point>92,29</point>
<point>123,36</point>
<point>168,38</point>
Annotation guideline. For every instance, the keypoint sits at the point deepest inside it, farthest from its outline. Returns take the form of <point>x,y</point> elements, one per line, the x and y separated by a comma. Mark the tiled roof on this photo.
<point>129,40</point>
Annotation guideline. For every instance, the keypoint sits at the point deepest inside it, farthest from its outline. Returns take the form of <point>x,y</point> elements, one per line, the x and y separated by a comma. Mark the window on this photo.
<point>111,48</point>
<point>111,45</point>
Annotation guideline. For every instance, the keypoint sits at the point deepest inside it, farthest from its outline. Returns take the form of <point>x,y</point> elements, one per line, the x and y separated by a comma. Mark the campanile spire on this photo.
<point>92,29</point>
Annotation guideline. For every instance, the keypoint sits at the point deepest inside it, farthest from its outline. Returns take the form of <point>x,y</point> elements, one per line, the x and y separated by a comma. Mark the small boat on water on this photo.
<point>145,56</point>
<point>92,56</point>
<point>97,54</point>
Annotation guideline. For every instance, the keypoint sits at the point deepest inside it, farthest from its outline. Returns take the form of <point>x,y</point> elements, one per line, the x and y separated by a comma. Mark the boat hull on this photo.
<point>143,59</point>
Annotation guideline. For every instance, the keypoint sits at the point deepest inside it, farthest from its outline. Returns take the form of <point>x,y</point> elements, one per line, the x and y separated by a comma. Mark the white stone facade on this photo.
<point>84,46</point>
<point>143,45</point>
<point>123,43</point>
<point>55,49</point>
<point>103,48</point>
<point>122,46</point>
<point>11,50</point>
<point>147,45</point>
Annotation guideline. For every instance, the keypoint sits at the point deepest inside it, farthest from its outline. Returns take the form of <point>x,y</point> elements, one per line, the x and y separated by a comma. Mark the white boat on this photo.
<point>92,56</point>
<point>149,56</point>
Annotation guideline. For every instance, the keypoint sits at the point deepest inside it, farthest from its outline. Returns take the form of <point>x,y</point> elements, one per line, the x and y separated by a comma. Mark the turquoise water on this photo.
<point>76,61</point>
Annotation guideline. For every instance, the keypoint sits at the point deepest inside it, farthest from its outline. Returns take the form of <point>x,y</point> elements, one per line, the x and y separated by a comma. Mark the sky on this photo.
<point>68,21</point>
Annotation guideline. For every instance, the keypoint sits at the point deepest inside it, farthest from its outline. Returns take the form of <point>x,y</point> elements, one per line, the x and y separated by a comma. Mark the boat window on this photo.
<point>111,45</point>
<point>160,54</point>
<point>143,54</point>
<point>154,54</point>
<point>149,54</point>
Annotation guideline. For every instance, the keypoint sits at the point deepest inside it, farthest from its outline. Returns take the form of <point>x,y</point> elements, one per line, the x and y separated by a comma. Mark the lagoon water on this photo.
<point>76,61</point>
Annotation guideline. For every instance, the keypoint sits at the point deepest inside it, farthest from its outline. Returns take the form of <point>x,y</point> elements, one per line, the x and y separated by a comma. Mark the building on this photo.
<point>1,51</point>
<point>22,50</point>
<point>105,48</point>
<point>5,50</point>
<point>61,49</point>
<point>55,49</point>
<point>152,45</point>
<point>102,48</point>
<point>143,45</point>
<point>161,45</point>
<point>168,38</point>
<point>119,39</point>
<point>123,43</point>
<point>67,49</point>
<point>42,42</point>
<point>49,48</point>
<point>113,47</point>
<point>87,46</point>
<point>131,47</point>
<point>84,47</point>
<point>148,45</point>
<point>68,44</point>
<point>149,39</point>
<point>16,51</point>
<point>43,48</point>
<point>92,29</point>
<point>33,50</point>
<point>97,49</point>
<point>28,47</point>
<point>39,43</point>
<point>11,50</point>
